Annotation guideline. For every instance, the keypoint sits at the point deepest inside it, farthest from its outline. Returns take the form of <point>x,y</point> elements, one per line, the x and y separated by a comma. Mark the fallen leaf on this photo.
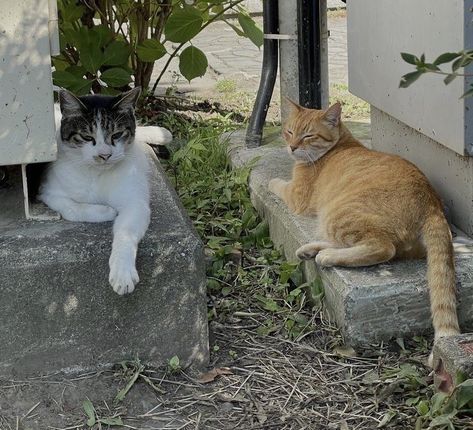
<point>345,351</point>
<point>207,377</point>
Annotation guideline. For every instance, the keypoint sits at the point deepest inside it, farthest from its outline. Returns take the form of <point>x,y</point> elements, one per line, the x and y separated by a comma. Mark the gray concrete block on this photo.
<point>453,358</point>
<point>58,312</point>
<point>368,304</point>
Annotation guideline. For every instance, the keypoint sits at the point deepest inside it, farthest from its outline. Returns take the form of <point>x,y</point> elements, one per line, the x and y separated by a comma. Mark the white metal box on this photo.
<point>379,30</point>
<point>27,130</point>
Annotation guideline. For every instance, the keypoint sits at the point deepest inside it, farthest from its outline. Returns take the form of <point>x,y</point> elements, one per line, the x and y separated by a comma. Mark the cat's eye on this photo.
<point>88,139</point>
<point>289,132</point>
<point>117,136</point>
<point>308,136</point>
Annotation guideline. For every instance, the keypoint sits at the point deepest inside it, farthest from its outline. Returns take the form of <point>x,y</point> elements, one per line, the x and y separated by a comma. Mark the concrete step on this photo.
<point>58,312</point>
<point>369,304</point>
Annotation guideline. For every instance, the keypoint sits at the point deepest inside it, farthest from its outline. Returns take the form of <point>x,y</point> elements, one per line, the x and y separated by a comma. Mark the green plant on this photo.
<point>94,419</point>
<point>105,42</point>
<point>174,364</point>
<point>239,251</point>
<point>226,86</point>
<point>458,59</point>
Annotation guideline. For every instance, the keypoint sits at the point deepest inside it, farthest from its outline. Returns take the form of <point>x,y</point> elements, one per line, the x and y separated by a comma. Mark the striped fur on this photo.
<point>372,207</point>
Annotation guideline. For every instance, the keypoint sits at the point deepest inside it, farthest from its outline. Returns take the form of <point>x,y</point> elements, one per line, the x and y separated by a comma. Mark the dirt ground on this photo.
<point>267,382</point>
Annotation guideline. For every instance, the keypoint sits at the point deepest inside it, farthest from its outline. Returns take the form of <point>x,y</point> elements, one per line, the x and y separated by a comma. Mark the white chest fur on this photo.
<point>97,193</point>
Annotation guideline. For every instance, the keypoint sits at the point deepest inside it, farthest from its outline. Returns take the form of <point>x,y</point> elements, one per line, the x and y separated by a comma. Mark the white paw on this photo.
<point>123,276</point>
<point>325,258</point>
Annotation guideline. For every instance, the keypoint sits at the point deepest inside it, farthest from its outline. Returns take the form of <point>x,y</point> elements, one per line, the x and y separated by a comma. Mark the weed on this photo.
<point>174,364</point>
<point>239,250</point>
<point>226,86</point>
<point>93,418</point>
<point>353,107</point>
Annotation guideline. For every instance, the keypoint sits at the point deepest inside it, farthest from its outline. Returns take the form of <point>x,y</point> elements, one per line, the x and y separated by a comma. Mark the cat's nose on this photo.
<point>293,148</point>
<point>105,156</point>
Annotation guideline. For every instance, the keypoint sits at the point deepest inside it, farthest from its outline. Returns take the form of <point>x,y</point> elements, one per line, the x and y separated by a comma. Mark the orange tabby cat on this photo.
<point>372,207</point>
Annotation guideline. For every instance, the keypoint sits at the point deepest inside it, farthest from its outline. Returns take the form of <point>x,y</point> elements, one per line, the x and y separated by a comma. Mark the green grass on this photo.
<point>353,108</point>
<point>240,252</point>
<point>226,86</point>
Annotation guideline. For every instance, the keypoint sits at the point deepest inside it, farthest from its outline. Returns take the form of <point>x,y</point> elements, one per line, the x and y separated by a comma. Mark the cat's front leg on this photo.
<point>128,229</point>
<point>79,212</point>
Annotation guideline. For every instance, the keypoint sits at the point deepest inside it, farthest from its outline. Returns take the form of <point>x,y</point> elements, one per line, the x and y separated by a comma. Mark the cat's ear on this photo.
<point>294,105</point>
<point>128,100</point>
<point>70,104</point>
<point>333,114</point>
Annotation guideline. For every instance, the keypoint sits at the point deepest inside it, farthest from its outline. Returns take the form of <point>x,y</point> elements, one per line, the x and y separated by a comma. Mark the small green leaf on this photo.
<point>89,411</point>
<point>123,392</point>
<point>150,50</point>
<point>446,57</point>
<point>192,63</point>
<point>437,401</point>
<point>464,393</point>
<point>463,61</point>
<point>268,303</point>
<point>183,25</point>
<point>388,416</point>
<point>116,54</point>
<point>449,78</point>
<point>412,401</point>
<point>410,78</point>
<point>251,30</point>
<point>423,407</point>
<point>117,421</point>
<point>238,31</point>
<point>116,77</point>
<point>409,58</point>
<point>174,363</point>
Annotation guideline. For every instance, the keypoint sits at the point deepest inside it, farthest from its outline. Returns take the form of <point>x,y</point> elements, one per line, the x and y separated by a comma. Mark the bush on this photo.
<point>106,42</point>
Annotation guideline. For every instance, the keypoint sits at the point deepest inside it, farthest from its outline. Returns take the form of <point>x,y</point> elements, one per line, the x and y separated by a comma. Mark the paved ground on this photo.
<point>236,58</point>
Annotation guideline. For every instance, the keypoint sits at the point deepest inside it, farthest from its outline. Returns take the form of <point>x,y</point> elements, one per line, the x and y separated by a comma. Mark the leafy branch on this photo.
<point>458,59</point>
<point>104,43</point>
<point>179,47</point>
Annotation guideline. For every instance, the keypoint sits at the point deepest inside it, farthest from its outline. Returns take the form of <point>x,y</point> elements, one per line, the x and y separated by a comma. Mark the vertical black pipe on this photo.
<point>310,70</point>
<point>254,132</point>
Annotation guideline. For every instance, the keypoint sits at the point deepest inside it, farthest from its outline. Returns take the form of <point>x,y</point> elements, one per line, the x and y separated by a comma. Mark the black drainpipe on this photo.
<point>308,24</point>
<point>254,132</point>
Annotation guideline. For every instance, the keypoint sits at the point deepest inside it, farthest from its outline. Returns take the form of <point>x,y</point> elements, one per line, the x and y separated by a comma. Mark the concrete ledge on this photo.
<point>368,304</point>
<point>58,312</point>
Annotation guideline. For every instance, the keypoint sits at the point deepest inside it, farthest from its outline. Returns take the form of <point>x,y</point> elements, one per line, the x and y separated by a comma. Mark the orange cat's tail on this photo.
<point>441,275</point>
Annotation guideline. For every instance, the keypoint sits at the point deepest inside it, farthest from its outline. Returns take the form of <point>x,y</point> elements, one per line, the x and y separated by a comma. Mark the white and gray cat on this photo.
<point>103,173</point>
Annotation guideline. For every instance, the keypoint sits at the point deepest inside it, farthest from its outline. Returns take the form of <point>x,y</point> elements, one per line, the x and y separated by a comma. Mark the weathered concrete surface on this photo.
<point>453,356</point>
<point>58,312</point>
<point>368,304</point>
